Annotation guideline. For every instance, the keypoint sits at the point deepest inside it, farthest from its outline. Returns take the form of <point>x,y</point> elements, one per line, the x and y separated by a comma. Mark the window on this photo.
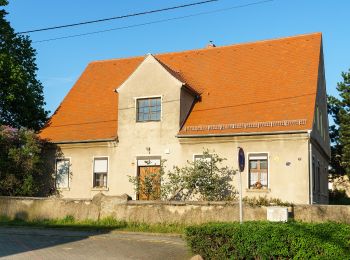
<point>148,109</point>
<point>258,171</point>
<point>100,172</point>
<point>62,173</point>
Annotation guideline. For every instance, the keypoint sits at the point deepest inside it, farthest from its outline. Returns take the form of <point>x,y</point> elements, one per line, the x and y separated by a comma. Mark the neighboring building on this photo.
<point>268,97</point>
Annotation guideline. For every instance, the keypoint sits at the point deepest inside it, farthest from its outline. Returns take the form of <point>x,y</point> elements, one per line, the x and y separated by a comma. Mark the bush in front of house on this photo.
<point>266,240</point>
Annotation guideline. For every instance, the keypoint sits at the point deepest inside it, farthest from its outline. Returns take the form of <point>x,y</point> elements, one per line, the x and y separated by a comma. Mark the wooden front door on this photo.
<point>149,182</point>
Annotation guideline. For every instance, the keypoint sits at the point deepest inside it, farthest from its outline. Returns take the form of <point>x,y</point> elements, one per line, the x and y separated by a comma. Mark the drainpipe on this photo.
<point>311,197</point>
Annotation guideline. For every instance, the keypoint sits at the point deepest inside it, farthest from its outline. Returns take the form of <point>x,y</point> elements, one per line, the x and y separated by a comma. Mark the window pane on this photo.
<point>153,116</point>
<point>263,164</point>
<point>101,165</point>
<point>154,109</point>
<point>253,164</point>
<point>253,178</point>
<point>158,116</point>
<point>62,173</point>
<point>153,102</point>
<point>263,179</point>
<point>142,103</point>
<point>100,180</point>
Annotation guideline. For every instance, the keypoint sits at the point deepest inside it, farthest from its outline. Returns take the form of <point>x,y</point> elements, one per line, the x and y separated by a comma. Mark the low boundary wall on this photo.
<point>121,208</point>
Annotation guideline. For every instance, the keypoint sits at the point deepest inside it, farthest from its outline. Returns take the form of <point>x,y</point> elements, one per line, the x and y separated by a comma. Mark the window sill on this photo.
<point>100,189</point>
<point>63,189</point>
<point>148,121</point>
<point>258,190</point>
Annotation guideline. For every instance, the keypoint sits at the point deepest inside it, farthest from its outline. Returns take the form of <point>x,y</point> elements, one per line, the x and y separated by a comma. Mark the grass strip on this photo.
<point>105,224</point>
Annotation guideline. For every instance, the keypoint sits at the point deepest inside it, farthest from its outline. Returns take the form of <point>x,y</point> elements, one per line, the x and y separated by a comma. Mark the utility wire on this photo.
<point>199,110</point>
<point>154,22</point>
<point>118,17</point>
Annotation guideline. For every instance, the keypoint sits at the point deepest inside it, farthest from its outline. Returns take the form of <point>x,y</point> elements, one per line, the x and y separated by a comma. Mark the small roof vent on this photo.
<point>210,45</point>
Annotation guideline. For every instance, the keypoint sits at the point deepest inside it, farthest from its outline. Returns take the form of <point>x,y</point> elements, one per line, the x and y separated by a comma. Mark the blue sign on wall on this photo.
<point>241,159</point>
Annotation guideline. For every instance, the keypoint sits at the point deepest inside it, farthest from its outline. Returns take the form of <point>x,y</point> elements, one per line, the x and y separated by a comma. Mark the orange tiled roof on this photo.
<point>265,81</point>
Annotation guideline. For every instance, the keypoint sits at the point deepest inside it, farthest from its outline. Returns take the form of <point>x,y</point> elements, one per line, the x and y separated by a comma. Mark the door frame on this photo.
<point>140,162</point>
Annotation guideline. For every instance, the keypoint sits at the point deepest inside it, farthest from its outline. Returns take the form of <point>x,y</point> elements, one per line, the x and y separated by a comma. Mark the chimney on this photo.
<point>210,45</point>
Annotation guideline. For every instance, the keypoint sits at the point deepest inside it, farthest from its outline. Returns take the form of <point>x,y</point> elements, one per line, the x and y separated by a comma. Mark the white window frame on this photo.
<point>93,172</point>
<point>200,154</point>
<point>69,170</point>
<point>149,97</point>
<point>268,169</point>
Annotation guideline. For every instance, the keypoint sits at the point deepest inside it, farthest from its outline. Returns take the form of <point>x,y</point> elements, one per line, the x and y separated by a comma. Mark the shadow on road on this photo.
<point>16,240</point>
<point>19,243</point>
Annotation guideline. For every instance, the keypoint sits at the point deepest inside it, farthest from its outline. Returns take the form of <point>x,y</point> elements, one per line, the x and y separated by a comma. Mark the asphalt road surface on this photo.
<point>35,243</point>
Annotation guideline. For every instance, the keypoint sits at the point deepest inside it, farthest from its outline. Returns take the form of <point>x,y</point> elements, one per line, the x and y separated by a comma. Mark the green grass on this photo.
<point>105,224</point>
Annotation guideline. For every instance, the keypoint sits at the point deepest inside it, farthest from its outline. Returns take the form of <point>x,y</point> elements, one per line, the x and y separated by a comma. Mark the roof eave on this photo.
<point>242,134</point>
<point>85,141</point>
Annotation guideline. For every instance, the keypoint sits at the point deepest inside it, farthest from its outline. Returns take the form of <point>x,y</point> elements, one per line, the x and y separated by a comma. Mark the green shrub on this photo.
<point>266,240</point>
<point>338,197</point>
<point>265,201</point>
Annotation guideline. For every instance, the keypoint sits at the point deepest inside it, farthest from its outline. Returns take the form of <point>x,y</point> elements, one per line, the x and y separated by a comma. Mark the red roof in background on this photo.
<point>267,81</point>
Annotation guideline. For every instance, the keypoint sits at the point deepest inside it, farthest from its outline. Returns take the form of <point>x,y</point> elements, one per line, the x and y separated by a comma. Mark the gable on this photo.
<point>150,72</point>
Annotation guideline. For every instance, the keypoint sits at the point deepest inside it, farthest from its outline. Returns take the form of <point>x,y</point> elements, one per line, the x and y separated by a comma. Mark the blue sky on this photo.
<point>61,62</point>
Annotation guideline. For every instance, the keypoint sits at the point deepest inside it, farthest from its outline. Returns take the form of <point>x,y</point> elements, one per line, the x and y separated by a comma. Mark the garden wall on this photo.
<point>121,208</point>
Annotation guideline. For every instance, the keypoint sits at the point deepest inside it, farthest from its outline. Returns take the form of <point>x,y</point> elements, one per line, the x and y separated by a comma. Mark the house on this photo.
<point>268,97</point>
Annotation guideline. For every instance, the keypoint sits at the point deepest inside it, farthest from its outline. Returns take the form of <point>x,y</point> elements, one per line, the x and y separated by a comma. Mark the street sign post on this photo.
<point>241,164</point>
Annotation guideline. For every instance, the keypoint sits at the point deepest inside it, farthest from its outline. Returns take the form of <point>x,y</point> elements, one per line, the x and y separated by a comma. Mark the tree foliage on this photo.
<point>339,109</point>
<point>24,164</point>
<point>21,94</point>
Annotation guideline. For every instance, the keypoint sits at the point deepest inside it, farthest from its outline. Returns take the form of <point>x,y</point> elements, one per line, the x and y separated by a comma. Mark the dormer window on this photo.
<point>148,109</point>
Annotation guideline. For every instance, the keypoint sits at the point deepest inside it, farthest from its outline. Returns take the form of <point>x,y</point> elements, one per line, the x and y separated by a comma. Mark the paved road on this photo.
<point>31,243</point>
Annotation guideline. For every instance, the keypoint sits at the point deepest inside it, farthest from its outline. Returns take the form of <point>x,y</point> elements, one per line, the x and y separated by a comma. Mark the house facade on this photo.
<point>268,97</point>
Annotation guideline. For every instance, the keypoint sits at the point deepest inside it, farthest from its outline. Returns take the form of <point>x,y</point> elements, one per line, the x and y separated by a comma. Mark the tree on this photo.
<point>339,109</point>
<point>24,163</point>
<point>21,94</point>
<point>203,179</point>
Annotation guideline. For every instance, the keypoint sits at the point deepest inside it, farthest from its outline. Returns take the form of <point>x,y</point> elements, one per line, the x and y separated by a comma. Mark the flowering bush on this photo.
<point>24,170</point>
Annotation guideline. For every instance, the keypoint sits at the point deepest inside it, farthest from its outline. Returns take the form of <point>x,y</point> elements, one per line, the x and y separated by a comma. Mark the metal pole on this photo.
<point>240,199</point>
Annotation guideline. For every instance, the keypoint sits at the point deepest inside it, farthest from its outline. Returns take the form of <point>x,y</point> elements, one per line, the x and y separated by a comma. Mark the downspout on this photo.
<point>310,169</point>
